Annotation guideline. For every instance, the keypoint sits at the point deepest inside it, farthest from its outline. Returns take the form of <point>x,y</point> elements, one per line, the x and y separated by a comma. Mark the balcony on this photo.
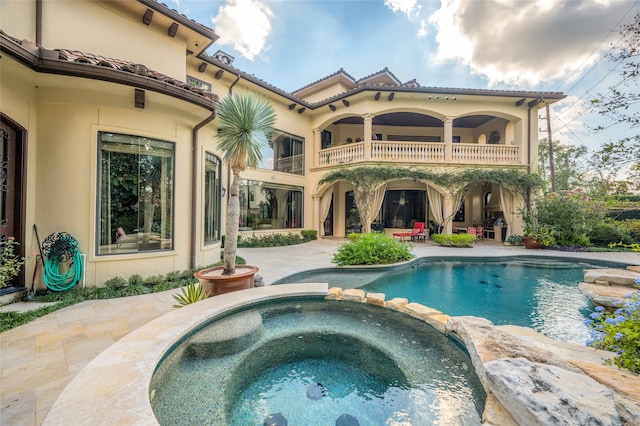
<point>421,153</point>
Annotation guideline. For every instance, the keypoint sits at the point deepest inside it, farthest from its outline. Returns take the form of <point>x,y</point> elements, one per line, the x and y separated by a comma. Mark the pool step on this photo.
<point>611,276</point>
<point>227,337</point>
<point>609,296</point>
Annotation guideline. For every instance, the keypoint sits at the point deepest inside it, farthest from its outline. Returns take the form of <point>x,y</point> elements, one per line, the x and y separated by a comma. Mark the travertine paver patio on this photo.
<point>37,360</point>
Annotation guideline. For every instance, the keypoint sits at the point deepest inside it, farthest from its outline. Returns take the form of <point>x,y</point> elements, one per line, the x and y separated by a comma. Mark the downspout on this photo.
<point>39,23</point>
<point>194,186</point>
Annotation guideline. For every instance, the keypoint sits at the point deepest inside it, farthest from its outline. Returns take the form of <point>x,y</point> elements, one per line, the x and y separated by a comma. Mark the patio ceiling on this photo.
<point>412,119</point>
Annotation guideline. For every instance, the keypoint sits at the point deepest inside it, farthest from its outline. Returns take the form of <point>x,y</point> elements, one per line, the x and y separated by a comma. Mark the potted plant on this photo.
<point>245,121</point>
<point>536,235</point>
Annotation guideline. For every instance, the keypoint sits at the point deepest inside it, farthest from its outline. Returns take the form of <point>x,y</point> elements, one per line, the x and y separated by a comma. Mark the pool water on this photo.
<point>313,362</point>
<point>540,293</point>
<point>543,296</point>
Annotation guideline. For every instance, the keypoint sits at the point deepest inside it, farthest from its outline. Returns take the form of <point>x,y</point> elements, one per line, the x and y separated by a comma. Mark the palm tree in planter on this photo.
<point>245,121</point>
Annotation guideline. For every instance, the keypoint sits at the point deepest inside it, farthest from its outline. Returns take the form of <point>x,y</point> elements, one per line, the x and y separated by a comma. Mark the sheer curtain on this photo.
<point>325,203</point>
<point>378,198</point>
<point>508,203</point>
<point>435,205</point>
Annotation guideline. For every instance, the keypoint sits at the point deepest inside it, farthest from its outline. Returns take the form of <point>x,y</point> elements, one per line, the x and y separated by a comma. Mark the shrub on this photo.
<point>515,240</point>
<point>270,240</point>
<point>633,227</point>
<point>10,263</point>
<point>570,216</point>
<point>136,279</point>
<point>116,283</point>
<point>454,240</point>
<point>619,332</point>
<point>371,249</point>
<point>309,234</point>
<point>606,232</point>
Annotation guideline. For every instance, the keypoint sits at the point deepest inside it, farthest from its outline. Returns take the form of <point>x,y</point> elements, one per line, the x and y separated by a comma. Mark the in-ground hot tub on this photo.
<point>316,362</point>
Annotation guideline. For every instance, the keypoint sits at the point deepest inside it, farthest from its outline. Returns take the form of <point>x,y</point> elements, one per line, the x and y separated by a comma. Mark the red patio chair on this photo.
<point>418,228</point>
<point>480,233</point>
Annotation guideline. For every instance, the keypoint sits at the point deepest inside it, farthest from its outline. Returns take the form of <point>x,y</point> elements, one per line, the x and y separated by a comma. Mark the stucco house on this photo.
<point>108,125</point>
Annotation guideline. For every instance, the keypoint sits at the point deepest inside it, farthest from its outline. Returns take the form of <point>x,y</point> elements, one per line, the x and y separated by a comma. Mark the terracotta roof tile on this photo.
<point>126,66</point>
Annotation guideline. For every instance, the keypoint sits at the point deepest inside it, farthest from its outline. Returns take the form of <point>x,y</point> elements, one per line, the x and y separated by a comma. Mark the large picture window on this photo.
<point>266,205</point>
<point>135,194</point>
<point>285,153</point>
<point>212,170</point>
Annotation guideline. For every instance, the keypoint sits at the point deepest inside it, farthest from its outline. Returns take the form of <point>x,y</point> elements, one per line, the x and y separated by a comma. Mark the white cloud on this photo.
<point>422,31</point>
<point>244,25</point>
<point>408,7</point>
<point>516,42</point>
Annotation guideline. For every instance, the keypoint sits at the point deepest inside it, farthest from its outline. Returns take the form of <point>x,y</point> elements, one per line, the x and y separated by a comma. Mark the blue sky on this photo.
<point>546,45</point>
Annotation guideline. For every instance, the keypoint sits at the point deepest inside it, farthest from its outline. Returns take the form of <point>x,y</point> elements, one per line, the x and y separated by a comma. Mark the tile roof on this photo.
<point>127,66</point>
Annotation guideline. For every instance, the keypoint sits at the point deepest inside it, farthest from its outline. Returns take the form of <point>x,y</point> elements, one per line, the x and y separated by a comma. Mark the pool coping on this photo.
<point>114,387</point>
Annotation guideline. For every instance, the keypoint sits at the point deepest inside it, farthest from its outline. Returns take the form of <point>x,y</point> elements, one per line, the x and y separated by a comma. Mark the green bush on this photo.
<point>371,249</point>
<point>270,240</point>
<point>633,228</point>
<point>309,234</point>
<point>454,240</point>
<point>606,232</point>
<point>116,283</point>
<point>189,294</point>
<point>136,279</point>
<point>570,216</point>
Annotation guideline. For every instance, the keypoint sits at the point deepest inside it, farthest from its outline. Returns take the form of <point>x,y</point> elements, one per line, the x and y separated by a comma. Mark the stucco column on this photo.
<point>447,210</point>
<point>448,138</point>
<point>317,145</point>
<point>316,215</point>
<point>368,131</point>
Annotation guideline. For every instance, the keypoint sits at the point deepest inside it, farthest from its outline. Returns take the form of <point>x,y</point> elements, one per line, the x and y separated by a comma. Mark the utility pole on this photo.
<point>552,171</point>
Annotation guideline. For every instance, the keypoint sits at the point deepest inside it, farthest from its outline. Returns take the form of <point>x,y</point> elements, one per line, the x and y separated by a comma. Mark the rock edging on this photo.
<point>529,378</point>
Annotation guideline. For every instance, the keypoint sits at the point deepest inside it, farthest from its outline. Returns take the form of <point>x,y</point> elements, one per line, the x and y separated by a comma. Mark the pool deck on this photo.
<point>37,360</point>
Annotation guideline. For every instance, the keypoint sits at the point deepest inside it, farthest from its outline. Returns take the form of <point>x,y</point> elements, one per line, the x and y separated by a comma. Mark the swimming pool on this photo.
<point>541,293</point>
<point>314,362</point>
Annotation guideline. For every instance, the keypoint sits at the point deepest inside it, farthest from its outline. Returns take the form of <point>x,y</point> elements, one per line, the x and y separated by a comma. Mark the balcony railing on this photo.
<point>421,152</point>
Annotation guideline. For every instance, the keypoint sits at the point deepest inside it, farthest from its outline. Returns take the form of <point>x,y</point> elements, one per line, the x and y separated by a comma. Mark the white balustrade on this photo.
<point>342,154</point>
<point>421,152</point>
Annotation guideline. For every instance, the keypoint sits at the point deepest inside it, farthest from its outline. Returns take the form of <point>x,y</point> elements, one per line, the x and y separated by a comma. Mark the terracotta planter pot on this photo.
<point>212,280</point>
<point>531,243</point>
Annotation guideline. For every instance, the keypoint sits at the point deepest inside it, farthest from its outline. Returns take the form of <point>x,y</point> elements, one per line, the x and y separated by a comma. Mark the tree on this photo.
<point>622,105</point>
<point>570,165</point>
<point>245,120</point>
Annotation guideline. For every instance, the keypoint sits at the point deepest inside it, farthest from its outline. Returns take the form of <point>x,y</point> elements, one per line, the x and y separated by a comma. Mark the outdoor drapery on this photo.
<point>508,203</point>
<point>435,205</point>
<point>325,203</point>
<point>456,201</point>
<point>369,205</point>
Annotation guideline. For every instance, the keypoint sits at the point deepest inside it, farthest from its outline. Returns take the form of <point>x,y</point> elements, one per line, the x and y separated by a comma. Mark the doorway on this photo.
<point>12,141</point>
<point>328,222</point>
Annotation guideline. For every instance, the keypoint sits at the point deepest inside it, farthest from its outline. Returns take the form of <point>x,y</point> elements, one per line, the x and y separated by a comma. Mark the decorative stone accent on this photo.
<point>353,295</point>
<point>495,414</point>
<point>438,321</point>
<point>546,395</point>
<point>397,303</point>
<point>634,268</point>
<point>376,299</point>
<point>539,380</point>
<point>610,296</point>
<point>334,293</point>
<point>419,311</point>
<point>612,276</point>
<point>603,283</point>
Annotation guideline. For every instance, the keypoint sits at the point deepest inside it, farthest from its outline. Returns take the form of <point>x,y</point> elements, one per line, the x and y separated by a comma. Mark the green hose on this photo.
<point>57,281</point>
<point>60,249</point>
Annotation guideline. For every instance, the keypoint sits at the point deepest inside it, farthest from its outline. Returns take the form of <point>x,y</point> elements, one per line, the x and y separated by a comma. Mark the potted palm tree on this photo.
<point>245,121</point>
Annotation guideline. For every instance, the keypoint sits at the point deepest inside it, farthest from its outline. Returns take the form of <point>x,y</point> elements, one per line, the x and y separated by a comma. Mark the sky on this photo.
<point>537,45</point>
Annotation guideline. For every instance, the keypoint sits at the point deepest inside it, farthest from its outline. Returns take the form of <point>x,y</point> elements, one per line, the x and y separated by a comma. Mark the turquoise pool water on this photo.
<point>312,362</point>
<point>540,293</point>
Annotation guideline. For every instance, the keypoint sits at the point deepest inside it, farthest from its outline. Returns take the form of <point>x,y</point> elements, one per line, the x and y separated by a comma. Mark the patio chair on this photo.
<point>480,233</point>
<point>418,228</point>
